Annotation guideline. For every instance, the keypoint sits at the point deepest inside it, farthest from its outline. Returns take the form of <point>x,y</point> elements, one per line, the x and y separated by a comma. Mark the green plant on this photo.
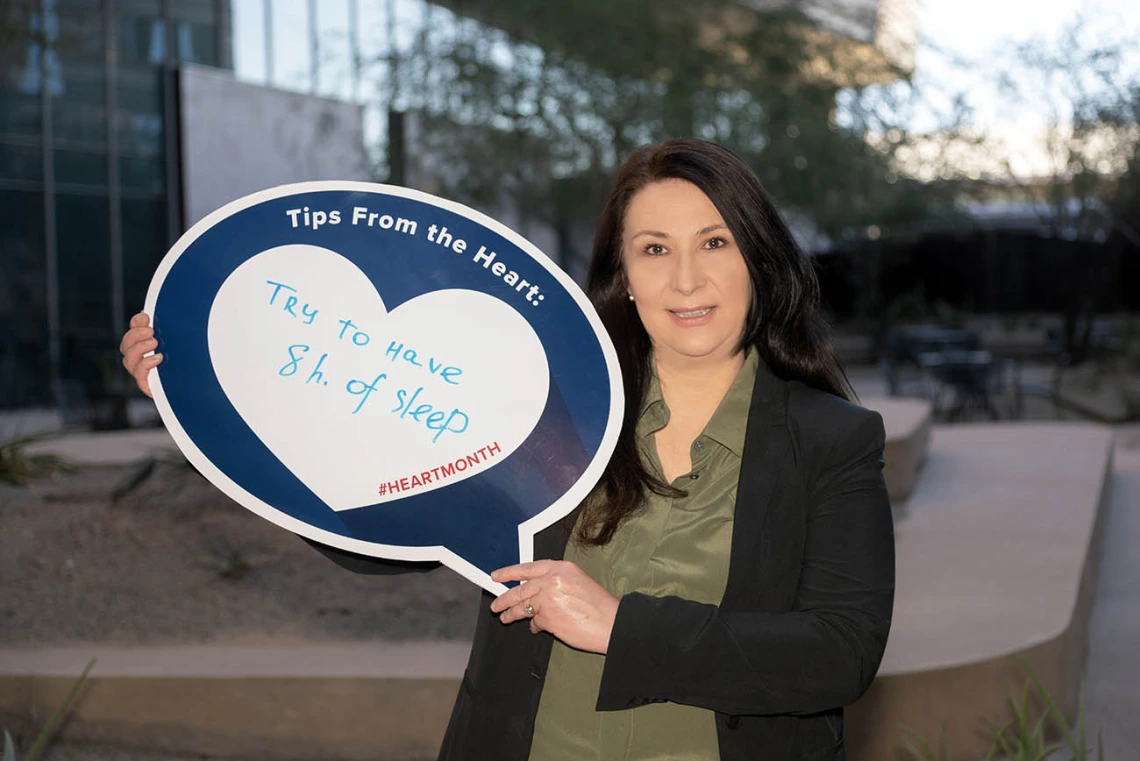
<point>18,467</point>
<point>921,751</point>
<point>1025,736</point>
<point>1075,738</point>
<point>229,563</point>
<point>1022,739</point>
<point>48,732</point>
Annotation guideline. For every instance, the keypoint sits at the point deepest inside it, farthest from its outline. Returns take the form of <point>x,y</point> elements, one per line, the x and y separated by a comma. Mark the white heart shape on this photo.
<point>348,443</point>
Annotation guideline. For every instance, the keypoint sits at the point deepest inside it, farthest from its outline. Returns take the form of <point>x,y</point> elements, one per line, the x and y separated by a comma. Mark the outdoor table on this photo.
<point>918,339</point>
<point>905,344</point>
<point>968,373</point>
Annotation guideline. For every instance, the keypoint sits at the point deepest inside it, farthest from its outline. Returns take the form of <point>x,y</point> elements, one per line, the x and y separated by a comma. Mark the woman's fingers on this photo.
<point>136,343</point>
<point>136,352</point>
<point>512,597</point>
<point>566,602</point>
<point>512,604</point>
<point>134,336</point>
<point>142,370</point>
<point>522,571</point>
<point>516,613</point>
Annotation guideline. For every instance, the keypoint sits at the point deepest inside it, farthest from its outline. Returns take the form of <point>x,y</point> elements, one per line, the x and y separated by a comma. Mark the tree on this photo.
<point>540,111</point>
<point>1080,85</point>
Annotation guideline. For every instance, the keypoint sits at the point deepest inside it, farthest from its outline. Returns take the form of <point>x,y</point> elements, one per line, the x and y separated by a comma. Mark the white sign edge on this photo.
<point>437,553</point>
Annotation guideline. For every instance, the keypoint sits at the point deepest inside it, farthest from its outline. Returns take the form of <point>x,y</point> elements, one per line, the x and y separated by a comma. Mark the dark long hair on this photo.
<point>783,322</point>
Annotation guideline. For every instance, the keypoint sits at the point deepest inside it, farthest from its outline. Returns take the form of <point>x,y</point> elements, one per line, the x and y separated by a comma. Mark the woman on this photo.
<point>728,586</point>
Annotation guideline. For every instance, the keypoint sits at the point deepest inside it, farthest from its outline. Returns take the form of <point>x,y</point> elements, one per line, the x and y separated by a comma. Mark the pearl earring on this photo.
<point>631,297</point>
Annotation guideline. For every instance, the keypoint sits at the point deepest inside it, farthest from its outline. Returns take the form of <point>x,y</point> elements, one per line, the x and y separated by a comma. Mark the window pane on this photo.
<point>199,11</point>
<point>142,40</point>
<point>76,28</point>
<point>248,28</point>
<point>194,31</point>
<point>138,123</point>
<point>19,69</point>
<point>146,175</point>
<point>144,245</point>
<point>79,103</point>
<point>195,43</point>
<point>138,129</point>
<point>334,50</point>
<point>292,51</point>
<point>81,167</point>
<point>21,162</point>
<point>88,345</point>
<point>19,112</point>
<point>24,371</point>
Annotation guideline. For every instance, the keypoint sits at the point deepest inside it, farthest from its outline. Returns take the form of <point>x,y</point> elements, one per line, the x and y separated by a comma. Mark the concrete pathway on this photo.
<point>270,659</point>
<point>1112,679</point>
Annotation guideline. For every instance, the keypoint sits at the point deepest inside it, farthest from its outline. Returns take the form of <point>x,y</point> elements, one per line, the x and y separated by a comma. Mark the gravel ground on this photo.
<point>163,564</point>
<point>111,753</point>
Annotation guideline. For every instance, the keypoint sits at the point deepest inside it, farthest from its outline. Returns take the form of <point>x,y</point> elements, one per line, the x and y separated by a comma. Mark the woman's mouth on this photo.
<point>691,313</point>
<point>692,316</point>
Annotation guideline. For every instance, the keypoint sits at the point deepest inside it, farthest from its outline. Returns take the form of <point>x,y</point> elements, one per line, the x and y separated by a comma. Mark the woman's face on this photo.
<point>686,274</point>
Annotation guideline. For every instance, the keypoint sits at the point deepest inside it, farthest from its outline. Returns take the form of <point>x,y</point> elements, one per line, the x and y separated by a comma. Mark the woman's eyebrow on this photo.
<point>699,233</point>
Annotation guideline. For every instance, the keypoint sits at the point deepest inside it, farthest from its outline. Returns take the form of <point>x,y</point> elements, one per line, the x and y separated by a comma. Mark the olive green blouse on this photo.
<point>672,547</point>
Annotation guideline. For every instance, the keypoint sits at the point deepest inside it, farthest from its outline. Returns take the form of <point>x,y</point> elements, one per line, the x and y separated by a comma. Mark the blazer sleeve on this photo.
<point>366,564</point>
<point>820,655</point>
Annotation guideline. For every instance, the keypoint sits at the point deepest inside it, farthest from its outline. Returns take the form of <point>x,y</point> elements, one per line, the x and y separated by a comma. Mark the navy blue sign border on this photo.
<point>540,482</point>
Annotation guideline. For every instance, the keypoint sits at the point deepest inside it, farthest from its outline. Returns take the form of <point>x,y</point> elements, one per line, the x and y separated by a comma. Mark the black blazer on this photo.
<point>799,633</point>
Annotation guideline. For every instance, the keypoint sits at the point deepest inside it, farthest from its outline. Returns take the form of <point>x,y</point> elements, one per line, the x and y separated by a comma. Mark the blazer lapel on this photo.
<point>767,456</point>
<point>550,543</point>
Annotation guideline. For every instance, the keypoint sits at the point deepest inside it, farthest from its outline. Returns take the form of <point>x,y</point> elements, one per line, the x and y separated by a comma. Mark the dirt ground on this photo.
<point>174,560</point>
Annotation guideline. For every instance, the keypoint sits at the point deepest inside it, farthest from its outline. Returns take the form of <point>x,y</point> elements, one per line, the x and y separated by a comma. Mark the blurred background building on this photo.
<point>89,189</point>
<point>112,142</point>
<point>122,122</point>
<point>121,125</point>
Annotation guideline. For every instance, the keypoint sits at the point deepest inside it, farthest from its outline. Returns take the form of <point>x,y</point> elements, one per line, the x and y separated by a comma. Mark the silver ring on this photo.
<point>529,610</point>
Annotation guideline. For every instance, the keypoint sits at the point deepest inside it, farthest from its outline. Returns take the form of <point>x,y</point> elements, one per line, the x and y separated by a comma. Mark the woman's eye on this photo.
<point>655,249</point>
<point>716,243</point>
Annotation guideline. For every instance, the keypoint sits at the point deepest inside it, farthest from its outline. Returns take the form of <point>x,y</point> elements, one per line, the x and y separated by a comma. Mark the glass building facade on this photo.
<point>89,153</point>
<point>88,178</point>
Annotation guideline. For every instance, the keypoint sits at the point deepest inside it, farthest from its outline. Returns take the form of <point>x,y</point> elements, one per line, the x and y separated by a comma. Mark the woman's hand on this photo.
<point>566,602</point>
<point>136,342</point>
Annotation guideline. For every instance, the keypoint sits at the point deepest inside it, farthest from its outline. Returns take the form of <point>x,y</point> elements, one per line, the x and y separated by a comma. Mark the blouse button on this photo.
<point>699,445</point>
<point>694,476</point>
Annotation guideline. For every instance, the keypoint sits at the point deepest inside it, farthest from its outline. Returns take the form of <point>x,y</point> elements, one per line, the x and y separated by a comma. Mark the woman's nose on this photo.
<point>687,274</point>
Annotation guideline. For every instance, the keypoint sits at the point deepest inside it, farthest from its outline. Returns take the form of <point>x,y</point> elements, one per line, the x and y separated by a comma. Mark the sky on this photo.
<point>982,30</point>
<point>975,27</point>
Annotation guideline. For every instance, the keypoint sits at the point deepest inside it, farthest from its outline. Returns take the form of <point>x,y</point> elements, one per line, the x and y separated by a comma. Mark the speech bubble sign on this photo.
<point>384,371</point>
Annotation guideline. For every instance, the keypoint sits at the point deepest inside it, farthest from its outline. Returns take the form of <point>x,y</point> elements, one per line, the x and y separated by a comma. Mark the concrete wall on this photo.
<point>238,138</point>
